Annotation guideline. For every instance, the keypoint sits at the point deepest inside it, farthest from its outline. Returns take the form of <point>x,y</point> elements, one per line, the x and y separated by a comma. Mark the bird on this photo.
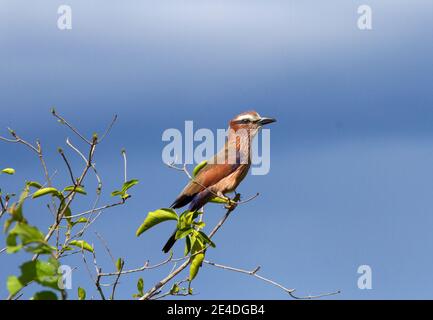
<point>223,172</point>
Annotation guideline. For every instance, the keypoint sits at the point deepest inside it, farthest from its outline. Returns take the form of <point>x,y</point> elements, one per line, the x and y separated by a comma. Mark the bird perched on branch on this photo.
<point>225,170</point>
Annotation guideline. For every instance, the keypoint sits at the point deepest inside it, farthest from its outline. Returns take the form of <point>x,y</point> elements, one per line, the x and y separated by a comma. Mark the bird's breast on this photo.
<point>231,182</point>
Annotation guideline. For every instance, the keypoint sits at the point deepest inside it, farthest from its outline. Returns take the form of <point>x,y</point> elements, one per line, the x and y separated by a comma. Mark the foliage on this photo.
<point>46,253</point>
<point>67,233</point>
<point>188,227</point>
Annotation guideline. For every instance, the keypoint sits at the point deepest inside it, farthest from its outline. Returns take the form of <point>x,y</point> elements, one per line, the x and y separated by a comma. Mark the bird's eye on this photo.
<point>245,121</point>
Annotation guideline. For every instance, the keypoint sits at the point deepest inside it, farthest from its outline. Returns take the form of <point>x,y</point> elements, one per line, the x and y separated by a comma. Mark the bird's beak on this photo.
<point>265,120</point>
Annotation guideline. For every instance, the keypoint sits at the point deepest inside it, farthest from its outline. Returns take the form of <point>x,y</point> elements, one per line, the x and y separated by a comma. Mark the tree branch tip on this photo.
<point>95,138</point>
<point>12,132</point>
<point>256,270</point>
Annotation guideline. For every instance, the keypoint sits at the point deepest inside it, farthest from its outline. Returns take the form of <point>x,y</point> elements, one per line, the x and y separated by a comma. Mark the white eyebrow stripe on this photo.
<point>247,116</point>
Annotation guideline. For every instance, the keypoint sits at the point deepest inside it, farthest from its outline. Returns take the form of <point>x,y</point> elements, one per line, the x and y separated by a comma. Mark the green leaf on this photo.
<point>12,245</point>
<point>183,233</point>
<point>119,264</point>
<point>67,215</point>
<point>116,193</point>
<point>187,245</point>
<point>14,285</point>
<point>27,235</point>
<point>8,171</point>
<point>218,200</point>
<point>155,217</point>
<point>129,184</point>
<point>140,286</point>
<point>185,220</point>
<point>196,263</point>
<point>47,273</point>
<point>44,295</point>
<point>16,210</point>
<point>34,184</point>
<point>199,167</point>
<point>41,248</point>
<point>42,272</point>
<point>45,191</point>
<point>197,244</point>
<point>206,239</point>
<point>81,244</point>
<point>200,224</point>
<point>174,289</point>
<point>81,220</point>
<point>81,294</point>
<point>76,188</point>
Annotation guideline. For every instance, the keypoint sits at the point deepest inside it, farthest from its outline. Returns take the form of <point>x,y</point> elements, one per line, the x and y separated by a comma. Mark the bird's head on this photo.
<point>250,121</point>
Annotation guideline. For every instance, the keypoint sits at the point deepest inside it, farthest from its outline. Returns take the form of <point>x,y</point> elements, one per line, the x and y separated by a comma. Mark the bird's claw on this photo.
<point>232,203</point>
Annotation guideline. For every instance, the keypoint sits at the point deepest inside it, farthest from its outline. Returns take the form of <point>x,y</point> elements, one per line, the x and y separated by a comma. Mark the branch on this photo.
<point>125,165</point>
<point>63,121</point>
<point>174,273</point>
<point>96,209</point>
<point>68,165</point>
<point>98,277</point>
<point>146,266</point>
<point>109,128</point>
<point>272,282</point>
<point>37,149</point>
<point>122,263</point>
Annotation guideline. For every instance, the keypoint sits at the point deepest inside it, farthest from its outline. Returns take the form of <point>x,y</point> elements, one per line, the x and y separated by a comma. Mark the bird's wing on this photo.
<point>209,175</point>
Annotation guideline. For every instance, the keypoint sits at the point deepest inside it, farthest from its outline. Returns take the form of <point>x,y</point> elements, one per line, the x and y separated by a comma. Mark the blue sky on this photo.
<point>351,178</point>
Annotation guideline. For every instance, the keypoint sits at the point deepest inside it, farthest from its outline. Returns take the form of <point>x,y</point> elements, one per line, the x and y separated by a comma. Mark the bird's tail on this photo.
<point>170,242</point>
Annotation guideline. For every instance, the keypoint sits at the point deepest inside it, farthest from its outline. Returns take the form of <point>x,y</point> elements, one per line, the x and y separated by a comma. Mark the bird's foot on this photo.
<point>232,203</point>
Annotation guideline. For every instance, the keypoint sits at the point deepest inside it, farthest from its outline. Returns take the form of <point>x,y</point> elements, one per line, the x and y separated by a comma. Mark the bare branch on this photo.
<point>105,244</point>
<point>63,121</point>
<point>267,280</point>
<point>125,166</point>
<point>68,165</point>
<point>122,264</point>
<point>68,142</point>
<point>98,276</point>
<point>18,139</point>
<point>109,128</point>
<point>146,266</point>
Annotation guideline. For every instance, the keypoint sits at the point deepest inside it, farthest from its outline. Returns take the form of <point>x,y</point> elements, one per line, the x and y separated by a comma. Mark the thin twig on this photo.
<point>69,143</point>
<point>63,121</point>
<point>109,128</point>
<point>98,276</point>
<point>96,209</point>
<point>68,165</point>
<point>122,264</point>
<point>146,266</point>
<point>125,165</point>
<point>267,280</point>
<point>107,248</point>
